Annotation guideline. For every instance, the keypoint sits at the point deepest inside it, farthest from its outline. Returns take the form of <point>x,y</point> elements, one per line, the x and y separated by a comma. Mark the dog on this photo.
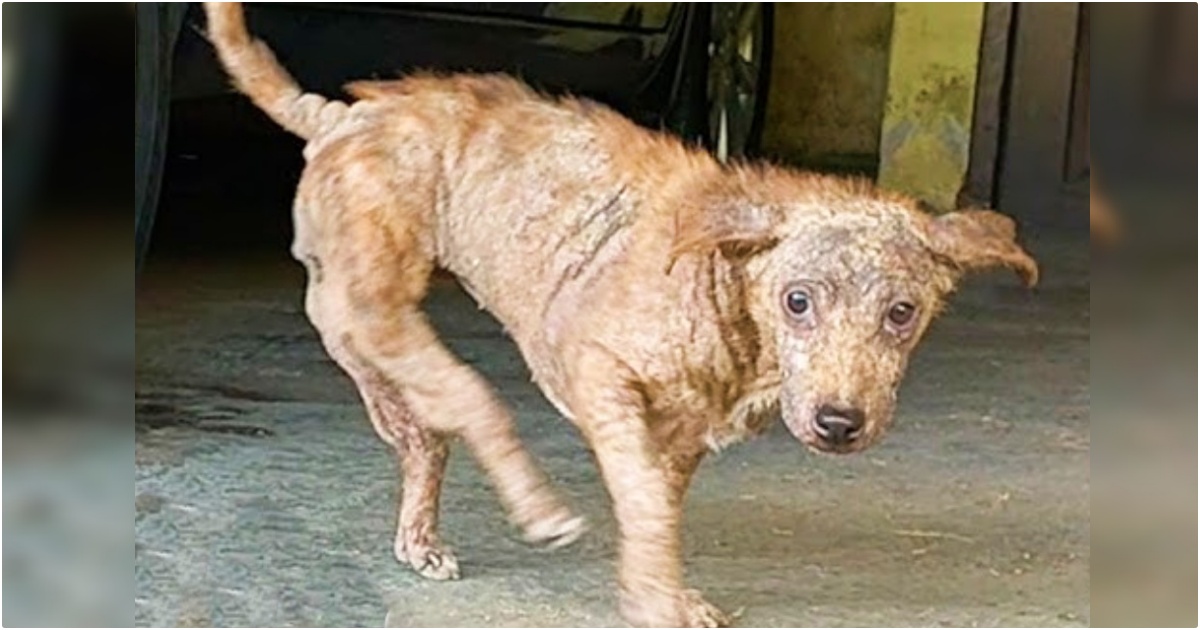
<point>666,304</point>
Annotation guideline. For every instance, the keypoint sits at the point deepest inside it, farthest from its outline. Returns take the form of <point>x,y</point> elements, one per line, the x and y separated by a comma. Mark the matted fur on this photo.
<point>643,282</point>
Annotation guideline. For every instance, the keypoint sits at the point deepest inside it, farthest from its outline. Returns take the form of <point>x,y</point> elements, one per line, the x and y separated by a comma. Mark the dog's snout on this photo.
<point>838,425</point>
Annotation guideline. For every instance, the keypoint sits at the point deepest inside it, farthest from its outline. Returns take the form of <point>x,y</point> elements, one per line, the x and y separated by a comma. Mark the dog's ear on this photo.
<point>979,239</point>
<point>736,230</point>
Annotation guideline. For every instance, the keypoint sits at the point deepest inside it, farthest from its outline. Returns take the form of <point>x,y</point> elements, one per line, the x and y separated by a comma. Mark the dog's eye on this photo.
<point>798,302</point>
<point>901,314</point>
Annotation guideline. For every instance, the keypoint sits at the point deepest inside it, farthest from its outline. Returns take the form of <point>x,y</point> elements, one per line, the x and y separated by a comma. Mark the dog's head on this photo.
<point>844,284</point>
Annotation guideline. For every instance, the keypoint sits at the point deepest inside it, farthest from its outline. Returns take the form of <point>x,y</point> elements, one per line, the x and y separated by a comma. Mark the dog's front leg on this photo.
<point>679,470</point>
<point>647,507</point>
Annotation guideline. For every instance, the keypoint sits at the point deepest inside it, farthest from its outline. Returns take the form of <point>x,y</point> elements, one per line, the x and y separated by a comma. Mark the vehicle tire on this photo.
<point>157,27</point>
<point>31,47</point>
<point>727,69</point>
<point>740,47</point>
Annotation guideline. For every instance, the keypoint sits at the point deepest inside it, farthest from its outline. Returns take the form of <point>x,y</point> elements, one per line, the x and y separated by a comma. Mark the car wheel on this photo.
<point>157,26</point>
<point>739,72</point>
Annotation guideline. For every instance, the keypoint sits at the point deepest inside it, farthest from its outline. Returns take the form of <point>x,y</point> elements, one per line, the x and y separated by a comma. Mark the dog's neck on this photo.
<point>727,291</point>
<point>754,380</point>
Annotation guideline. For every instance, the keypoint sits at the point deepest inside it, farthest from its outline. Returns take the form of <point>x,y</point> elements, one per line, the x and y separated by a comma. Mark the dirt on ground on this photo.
<point>263,496</point>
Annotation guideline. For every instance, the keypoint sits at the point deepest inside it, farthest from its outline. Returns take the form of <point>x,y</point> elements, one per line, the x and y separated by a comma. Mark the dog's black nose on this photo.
<point>838,425</point>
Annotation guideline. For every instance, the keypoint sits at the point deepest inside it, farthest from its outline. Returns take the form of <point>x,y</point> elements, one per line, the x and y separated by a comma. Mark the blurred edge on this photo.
<point>1144,490</point>
<point>68,284</point>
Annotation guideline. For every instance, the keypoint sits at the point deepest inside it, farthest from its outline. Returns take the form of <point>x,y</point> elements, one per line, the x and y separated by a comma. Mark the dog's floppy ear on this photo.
<point>978,239</point>
<point>735,229</point>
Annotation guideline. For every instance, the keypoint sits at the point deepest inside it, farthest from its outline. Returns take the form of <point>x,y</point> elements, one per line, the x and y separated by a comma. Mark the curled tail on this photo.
<point>257,74</point>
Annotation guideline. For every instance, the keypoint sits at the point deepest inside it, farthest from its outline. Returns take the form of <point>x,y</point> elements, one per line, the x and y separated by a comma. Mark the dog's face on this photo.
<point>851,299</point>
<point>846,295</point>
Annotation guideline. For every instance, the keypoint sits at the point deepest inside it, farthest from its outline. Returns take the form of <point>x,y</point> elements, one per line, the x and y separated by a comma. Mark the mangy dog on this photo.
<point>666,304</point>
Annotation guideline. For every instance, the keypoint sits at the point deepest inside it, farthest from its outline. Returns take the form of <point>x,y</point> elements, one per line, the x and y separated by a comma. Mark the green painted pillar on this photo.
<point>925,139</point>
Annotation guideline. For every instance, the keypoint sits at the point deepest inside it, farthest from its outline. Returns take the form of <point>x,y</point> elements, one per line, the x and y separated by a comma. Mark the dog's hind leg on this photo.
<point>370,256</point>
<point>416,392</point>
<point>417,542</point>
<point>420,379</point>
<point>449,397</point>
<point>422,454</point>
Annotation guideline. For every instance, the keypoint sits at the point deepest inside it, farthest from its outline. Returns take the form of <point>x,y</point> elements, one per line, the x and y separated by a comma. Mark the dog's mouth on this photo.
<point>818,444</point>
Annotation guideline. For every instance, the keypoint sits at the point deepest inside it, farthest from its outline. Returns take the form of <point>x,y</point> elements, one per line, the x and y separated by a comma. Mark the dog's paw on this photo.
<point>558,530</point>
<point>688,609</point>
<point>430,561</point>
<point>698,613</point>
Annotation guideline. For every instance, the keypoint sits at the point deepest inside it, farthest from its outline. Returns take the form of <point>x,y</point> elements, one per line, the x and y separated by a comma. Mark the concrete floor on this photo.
<point>264,498</point>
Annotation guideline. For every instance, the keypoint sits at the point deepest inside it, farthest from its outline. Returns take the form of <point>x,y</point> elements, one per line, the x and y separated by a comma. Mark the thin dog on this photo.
<point>666,304</point>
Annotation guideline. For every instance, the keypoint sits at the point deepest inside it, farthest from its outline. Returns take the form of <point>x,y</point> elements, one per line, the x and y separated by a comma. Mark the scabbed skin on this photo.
<point>644,283</point>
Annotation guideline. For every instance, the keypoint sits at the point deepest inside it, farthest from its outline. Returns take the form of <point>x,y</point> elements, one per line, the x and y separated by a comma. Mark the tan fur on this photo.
<point>641,280</point>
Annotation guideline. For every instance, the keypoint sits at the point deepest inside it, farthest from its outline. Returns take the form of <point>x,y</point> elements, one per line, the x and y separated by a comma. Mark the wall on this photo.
<point>1032,174</point>
<point>829,79</point>
<point>926,136</point>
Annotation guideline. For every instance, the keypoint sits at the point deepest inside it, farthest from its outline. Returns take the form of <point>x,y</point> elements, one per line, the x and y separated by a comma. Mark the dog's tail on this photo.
<point>257,74</point>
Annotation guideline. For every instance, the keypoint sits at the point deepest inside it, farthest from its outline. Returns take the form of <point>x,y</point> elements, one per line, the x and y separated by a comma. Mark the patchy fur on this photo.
<point>646,285</point>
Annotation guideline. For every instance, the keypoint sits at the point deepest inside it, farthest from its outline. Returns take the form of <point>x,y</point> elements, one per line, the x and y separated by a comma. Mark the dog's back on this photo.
<point>533,202</point>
